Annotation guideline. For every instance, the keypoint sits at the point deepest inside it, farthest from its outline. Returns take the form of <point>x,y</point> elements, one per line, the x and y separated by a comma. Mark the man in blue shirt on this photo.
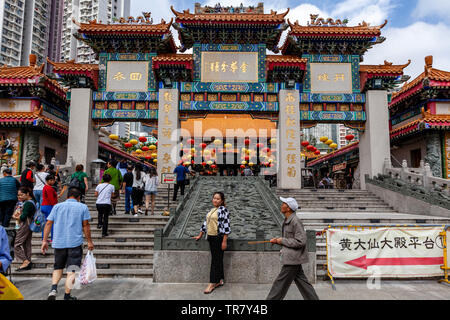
<point>5,256</point>
<point>8,197</point>
<point>181,171</point>
<point>70,219</point>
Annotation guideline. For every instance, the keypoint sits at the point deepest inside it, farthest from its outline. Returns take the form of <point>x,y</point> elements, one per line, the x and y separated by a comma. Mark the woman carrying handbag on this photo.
<point>217,228</point>
<point>23,215</point>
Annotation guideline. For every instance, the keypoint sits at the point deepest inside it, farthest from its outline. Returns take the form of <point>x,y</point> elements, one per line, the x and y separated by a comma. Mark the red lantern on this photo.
<point>191,141</point>
<point>142,139</point>
<point>203,163</point>
<point>246,142</point>
<point>213,166</point>
<point>266,149</point>
<point>310,148</point>
<point>242,166</point>
<point>260,145</point>
<point>148,157</point>
<point>145,148</point>
<point>202,145</point>
<point>317,152</point>
<point>305,143</point>
<point>246,158</point>
<point>349,137</point>
<point>128,145</point>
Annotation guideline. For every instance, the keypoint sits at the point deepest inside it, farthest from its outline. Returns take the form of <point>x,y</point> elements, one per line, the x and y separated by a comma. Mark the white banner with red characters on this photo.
<point>398,252</point>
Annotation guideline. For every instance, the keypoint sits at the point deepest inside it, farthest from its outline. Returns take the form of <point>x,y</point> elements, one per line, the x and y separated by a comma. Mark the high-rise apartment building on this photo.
<point>84,11</point>
<point>344,131</point>
<point>29,27</point>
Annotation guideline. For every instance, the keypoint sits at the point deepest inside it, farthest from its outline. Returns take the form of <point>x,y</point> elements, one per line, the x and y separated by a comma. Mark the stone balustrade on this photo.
<point>421,177</point>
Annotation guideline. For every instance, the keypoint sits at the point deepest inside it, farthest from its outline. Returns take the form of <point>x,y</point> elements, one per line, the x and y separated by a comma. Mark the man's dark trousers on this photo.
<point>6,211</point>
<point>179,185</point>
<point>282,283</point>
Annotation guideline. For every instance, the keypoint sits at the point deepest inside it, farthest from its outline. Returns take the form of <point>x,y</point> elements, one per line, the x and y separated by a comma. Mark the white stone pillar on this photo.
<point>374,144</point>
<point>83,139</point>
<point>168,131</point>
<point>289,162</point>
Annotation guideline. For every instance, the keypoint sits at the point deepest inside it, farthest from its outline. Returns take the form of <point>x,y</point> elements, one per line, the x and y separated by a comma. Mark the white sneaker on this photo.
<point>136,215</point>
<point>140,211</point>
<point>52,295</point>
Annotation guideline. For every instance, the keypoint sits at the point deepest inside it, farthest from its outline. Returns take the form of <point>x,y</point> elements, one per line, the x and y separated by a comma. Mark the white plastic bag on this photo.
<point>88,272</point>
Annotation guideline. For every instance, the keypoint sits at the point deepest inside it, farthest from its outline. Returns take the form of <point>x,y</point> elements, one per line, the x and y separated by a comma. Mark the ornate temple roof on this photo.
<point>173,59</point>
<point>384,69</point>
<point>390,74</point>
<point>426,121</point>
<point>127,35</point>
<point>30,76</point>
<point>285,61</point>
<point>70,69</point>
<point>334,29</point>
<point>229,26</point>
<point>35,119</point>
<point>348,148</point>
<point>251,18</point>
<point>431,77</point>
<point>123,28</point>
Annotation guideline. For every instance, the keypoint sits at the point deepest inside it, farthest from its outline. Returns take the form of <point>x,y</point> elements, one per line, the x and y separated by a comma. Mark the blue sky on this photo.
<point>415,29</point>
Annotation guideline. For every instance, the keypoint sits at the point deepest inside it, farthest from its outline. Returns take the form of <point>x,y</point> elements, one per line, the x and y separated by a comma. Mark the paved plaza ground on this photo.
<point>145,289</point>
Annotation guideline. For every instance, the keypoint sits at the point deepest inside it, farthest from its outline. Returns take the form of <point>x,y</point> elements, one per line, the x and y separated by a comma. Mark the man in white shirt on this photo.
<point>103,192</point>
<point>40,183</point>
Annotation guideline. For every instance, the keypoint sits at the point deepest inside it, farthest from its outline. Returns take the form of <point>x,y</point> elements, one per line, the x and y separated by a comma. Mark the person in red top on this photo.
<point>49,199</point>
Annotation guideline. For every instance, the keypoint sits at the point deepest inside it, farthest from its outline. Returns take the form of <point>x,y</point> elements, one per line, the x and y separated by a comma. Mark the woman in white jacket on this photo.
<point>151,189</point>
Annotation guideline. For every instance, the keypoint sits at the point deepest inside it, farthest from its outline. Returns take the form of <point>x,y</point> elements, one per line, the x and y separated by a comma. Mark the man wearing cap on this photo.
<point>293,254</point>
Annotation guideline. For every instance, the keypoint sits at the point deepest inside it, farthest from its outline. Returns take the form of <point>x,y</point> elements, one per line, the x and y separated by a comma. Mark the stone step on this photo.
<point>46,263</point>
<point>103,254</point>
<point>347,204</point>
<point>101,273</point>
<point>370,209</point>
<point>106,244</point>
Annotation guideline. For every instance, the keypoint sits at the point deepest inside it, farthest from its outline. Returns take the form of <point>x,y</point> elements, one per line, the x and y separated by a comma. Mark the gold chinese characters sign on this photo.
<point>229,67</point>
<point>167,131</point>
<point>331,78</point>
<point>127,76</point>
<point>289,136</point>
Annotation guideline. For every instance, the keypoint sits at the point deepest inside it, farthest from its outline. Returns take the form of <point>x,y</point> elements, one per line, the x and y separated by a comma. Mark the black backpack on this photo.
<point>75,182</point>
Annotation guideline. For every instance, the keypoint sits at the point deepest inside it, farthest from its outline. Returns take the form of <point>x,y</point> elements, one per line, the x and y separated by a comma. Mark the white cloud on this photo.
<point>426,8</point>
<point>413,42</point>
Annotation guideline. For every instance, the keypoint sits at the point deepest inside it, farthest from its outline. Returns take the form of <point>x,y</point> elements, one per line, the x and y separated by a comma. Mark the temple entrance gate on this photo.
<point>317,78</point>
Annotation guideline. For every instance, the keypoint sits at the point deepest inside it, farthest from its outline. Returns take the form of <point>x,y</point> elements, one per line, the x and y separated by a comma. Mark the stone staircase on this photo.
<point>320,208</point>
<point>126,252</point>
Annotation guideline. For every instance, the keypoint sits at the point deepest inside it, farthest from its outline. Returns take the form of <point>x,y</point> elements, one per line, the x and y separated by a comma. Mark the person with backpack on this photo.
<point>8,196</point>
<point>127,188</point>
<point>79,180</point>
<point>103,192</point>
<point>151,189</point>
<point>49,199</point>
<point>40,183</point>
<point>116,181</point>
<point>27,177</point>
<point>22,244</point>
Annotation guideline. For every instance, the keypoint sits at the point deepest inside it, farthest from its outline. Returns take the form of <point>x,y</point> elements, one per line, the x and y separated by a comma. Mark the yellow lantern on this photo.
<point>333,146</point>
<point>251,164</point>
<point>193,150</point>
<point>154,155</point>
<point>227,145</point>
<point>273,141</point>
<point>187,163</point>
<point>243,150</point>
<point>217,142</point>
<point>155,160</point>
<point>323,139</point>
<point>114,137</point>
<point>244,162</point>
<point>138,151</point>
<point>206,152</point>
<point>329,141</point>
<point>270,160</point>
<point>209,162</point>
<point>152,147</point>
<point>133,142</point>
